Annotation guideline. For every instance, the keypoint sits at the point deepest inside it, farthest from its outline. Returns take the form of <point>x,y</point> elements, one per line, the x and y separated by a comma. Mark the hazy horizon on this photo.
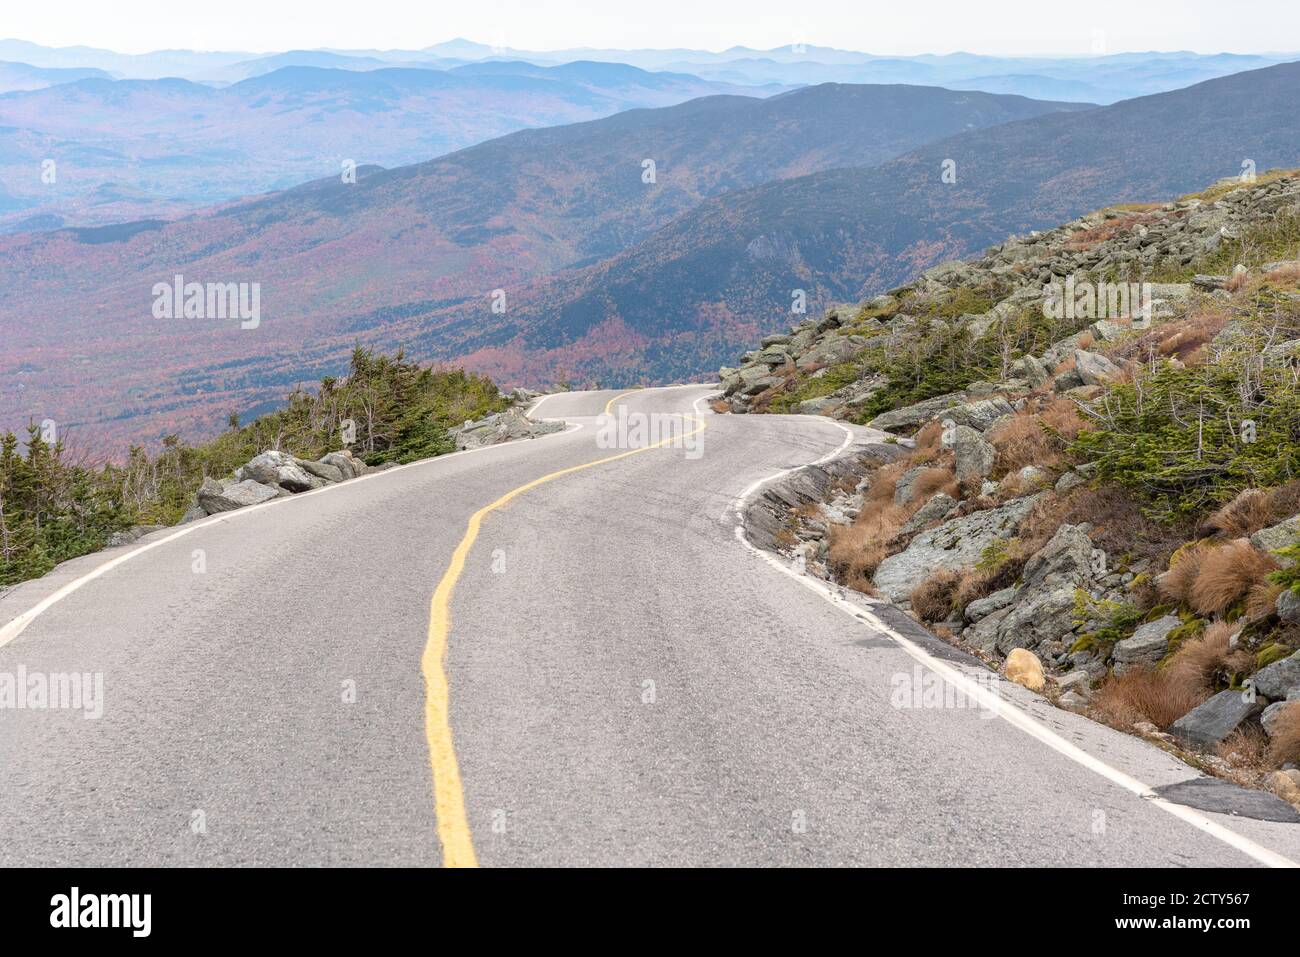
<point>148,26</point>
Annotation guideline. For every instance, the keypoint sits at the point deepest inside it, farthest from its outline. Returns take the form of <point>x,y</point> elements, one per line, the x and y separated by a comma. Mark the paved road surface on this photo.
<point>629,685</point>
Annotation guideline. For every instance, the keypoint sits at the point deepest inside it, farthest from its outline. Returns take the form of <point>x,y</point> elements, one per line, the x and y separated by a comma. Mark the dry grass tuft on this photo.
<point>1261,603</point>
<point>933,599</point>
<point>1227,574</point>
<point>929,444</point>
<point>1245,749</point>
<point>1184,339</point>
<point>932,481</point>
<point>1245,515</point>
<point>973,586</point>
<point>1144,695</point>
<point>1207,663</point>
<point>1036,438</point>
<point>720,406</point>
<point>1287,276</point>
<point>1285,744</point>
<point>856,551</point>
<point>1176,584</point>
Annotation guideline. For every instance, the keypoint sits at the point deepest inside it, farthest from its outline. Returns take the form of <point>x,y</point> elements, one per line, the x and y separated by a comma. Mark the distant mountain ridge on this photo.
<point>734,261</point>
<point>343,262</point>
<point>1098,78</point>
<point>24,76</point>
<point>185,145</point>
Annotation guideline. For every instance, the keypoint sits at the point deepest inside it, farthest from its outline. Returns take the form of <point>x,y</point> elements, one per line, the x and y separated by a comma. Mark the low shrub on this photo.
<point>933,600</point>
<point>1174,436</point>
<point>1144,694</point>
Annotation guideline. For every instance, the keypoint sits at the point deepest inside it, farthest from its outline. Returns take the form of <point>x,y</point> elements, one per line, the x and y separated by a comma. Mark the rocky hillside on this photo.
<point>728,271</point>
<point>1092,470</point>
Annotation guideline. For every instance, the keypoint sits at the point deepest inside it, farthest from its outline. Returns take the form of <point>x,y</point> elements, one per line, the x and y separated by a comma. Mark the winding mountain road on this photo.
<point>550,653</point>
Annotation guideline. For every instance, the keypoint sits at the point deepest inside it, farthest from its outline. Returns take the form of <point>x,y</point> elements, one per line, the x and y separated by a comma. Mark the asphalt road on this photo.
<point>628,684</point>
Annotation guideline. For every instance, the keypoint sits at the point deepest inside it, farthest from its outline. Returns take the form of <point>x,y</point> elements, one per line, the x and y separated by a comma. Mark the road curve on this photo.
<point>626,684</point>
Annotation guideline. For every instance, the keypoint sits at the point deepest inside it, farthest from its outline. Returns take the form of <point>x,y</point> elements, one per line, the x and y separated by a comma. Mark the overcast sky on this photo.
<point>892,27</point>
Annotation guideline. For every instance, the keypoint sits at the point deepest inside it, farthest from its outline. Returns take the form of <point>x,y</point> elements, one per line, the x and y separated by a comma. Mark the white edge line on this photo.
<point>991,700</point>
<point>16,626</point>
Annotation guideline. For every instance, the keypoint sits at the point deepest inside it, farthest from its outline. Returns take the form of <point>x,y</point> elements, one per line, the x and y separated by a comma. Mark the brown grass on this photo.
<point>1261,603</point>
<point>932,600</point>
<point>884,482</point>
<point>856,551</point>
<point>1183,339</point>
<point>1237,281</point>
<point>1245,749</point>
<point>1245,515</point>
<point>932,481</point>
<point>1207,663</point>
<point>1038,437</point>
<point>1144,695</point>
<point>720,405</point>
<point>973,586</point>
<point>1119,526</point>
<point>1227,574</point>
<point>1085,340</point>
<point>929,444</point>
<point>1285,744</point>
<point>1108,229</point>
<point>1176,584</point>
<point>1286,276</point>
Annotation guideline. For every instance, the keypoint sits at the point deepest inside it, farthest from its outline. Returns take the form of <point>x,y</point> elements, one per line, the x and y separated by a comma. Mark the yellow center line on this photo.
<point>609,406</point>
<point>448,794</point>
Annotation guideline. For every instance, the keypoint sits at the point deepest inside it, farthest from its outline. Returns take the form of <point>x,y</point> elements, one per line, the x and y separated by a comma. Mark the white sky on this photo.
<point>1034,27</point>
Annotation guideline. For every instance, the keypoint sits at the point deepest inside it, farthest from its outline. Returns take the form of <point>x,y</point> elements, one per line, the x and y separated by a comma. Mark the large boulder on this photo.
<point>1031,370</point>
<point>1288,607</point>
<point>279,468</point>
<point>742,378</point>
<point>349,466</point>
<point>1043,608</point>
<point>1210,723</point>
<point>973,456</point>
<point>1277,536</point>
<point>979,415</point>
<point>955,544</point>
<point>1278,680</point>
<point>1065,559</point>
<point>1147,646</point>
<point>981,608</point>
<point>1039,614</point>
<point>936,508</point>
<point>831,351</point>
<point>501,427</point>
<point>322,470</point>
<point>1269,717</point>
<point>227,496</point>
<point>1094,369</point>
<point>913,416</point>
